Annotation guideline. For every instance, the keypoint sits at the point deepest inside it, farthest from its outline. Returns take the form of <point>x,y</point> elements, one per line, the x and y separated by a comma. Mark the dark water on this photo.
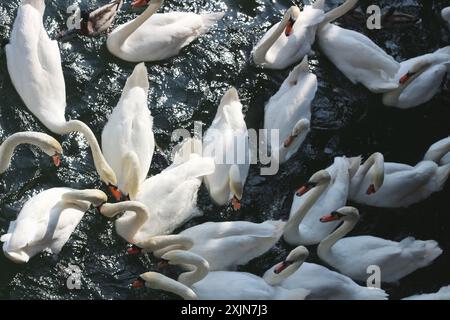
<point>347,119</point>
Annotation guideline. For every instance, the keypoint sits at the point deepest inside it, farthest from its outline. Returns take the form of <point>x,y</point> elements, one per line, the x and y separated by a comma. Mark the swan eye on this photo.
<point>338,215</point>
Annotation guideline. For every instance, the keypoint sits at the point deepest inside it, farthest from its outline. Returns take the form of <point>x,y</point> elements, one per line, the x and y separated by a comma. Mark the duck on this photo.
<point>326,190</point>
<point>395,185</point>
<point>289,112</point>
<point>442,294</point>
<point>44,142</point>
<point>128,142</point>
<point>227,136</point>
<point>34,65</point>
<point>352,256</point>
<point>288,41</point>
<point>165,201</point>
<point>225,245</point>
<point>154,37</point>
<point>46,222</point>
<point>366,63</point>
<point>200,283</point>
<point>96,22</point>
<point>323,283</point>
<point>419,79</point>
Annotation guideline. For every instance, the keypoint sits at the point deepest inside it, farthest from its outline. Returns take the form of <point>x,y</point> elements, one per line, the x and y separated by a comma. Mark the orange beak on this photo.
<point>138,283</point>
<point>163,264</point>
<point>281,267</point>
<point>289,27</point>
<point>57,160</point>
<point>302,191</point>
<point>405,78</point>
<point>134,250</point>
<point>236,204</point>
<point>139,3</point>
<point>371,190</point>
<point>289,140</point>
<point>116,193</point>
<point>329,218</point>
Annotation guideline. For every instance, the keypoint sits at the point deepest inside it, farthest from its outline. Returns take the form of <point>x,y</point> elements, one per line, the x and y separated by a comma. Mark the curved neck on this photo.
<point>137,221</point>
<point>93,196</point>
<point>323,250</point>
<point>259,55</point>
<point>338,12</point>
<point>132,170</point>
<point>175,287</point>
<point>291,229</point>
<point>160,245</point>
<point>375,160</point>
<point>274,279</point>
<point>132,26</point>
<point>438,150</point>
<point>200,269</point>
<point>102,167</point>
<point>10,144</point>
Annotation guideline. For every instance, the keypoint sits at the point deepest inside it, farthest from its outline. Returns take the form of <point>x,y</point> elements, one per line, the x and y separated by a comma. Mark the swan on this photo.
<point>445,14</point>
<point>43,141</point>
<point>289,112</point>
<point>34,64</point>
<point>165,201</point>
<point>96,22</point>
<point>225,245</point>
<point>365,63</point>
<point>353,255</point>
<point>399,185</point>
<point>153,36</point>
<point>226,141</point>
<point>200,283</point>
<point>46,222</point>
<point>419,79</point>
<point>439,152</point>
<point>323,283</point>
<point>127,138</point>
<point>288,41</point>
<point>442,294</point>
<point>330,193</point>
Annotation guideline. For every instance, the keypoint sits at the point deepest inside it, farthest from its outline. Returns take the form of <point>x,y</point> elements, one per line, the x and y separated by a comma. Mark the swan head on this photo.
<point>302,126</point>
<point>94,196</point>
<point>176,257</point>
<point>321,177</point>
<point>445,13</point>
<point>143,3</point>
<point>163,244</point>
<point>414,72</point>
<point>291,16</point>
<point>343,214</point>
<point>378,173</point>
<point>298,255</point>
<point>48,145</point>
<point>236,186</point>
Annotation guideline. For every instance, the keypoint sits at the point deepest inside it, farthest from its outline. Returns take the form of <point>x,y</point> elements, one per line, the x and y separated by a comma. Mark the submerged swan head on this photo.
<point>321,177</point>
<point>342,214</point>
<point>290,16</point>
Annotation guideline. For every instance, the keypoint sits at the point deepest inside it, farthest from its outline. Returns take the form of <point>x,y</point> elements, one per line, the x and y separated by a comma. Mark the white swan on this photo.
<point>353,255</point>
<point>445,14</point>
<point>165,201</point>
<point>289,112</point>
<point>46,222</point>
<point>127,139</point>
<point>365,63</point>
<point>225,245</point>
<point>330,193</point>
<point>288,41</point>
<point>394,185</point>
<point>442,294</point>
<point>43,141</point>
<point>419,79</point>
<point>221,285</point>
<point>322,283</point>
<point>153,36</point>
<point>34,64</point>
<point>226,141</point>
<point>439,152</point>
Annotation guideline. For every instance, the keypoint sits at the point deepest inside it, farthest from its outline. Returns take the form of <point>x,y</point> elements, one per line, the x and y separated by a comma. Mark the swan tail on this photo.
<point>210,19</point>
<point>422,252</point>
<point>293,294</point>
<point>139,78</point>
<point>367,293</point>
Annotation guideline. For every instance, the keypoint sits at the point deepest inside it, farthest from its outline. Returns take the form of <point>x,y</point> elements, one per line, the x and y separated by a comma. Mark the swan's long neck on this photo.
<point>103,168</point>
<point>200,269</point>
<point>175,287</point>
<point>259,55</point>
<point>438,150</point>
<point>160,245</point>
<point>10,144</point>
<point>376,161</point>
<point>136,222</point>
<point>131,27</point>
<point>291,229</point>
<point>132,170</point>
<point>93,196</point>
<point>338,12</point>
<point>323,250</point>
